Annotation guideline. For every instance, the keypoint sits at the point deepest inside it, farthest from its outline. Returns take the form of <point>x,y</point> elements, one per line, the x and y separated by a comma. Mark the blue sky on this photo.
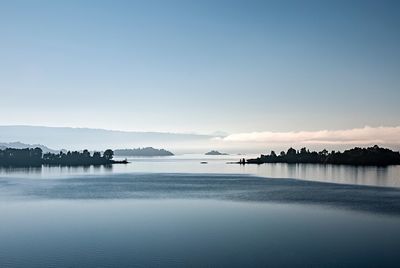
<point>200,66</point>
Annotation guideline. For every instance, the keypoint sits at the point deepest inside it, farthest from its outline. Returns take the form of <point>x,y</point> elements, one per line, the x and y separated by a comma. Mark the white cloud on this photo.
<point>366,135</point>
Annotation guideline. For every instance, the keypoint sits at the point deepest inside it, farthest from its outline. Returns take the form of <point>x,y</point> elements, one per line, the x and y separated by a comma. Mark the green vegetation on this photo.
<point>35,157</point>
<point>356,156</point>
<point>21,157</point>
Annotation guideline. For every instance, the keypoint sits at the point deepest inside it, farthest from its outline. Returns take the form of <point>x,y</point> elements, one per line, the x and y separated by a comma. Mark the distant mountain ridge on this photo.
<point>147,151</point>
<point>20,145</point>
<point>100,139</point>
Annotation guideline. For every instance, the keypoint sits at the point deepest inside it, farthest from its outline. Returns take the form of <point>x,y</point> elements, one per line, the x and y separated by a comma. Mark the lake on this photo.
<point>176,212</point>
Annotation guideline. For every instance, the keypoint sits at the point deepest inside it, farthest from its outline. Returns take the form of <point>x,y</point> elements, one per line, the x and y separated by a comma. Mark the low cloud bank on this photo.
<point>356,136</point>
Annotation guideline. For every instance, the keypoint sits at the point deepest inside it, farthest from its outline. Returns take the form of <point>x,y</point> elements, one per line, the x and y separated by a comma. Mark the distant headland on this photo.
<point>372,156</point>
<point>147,151</point>
<point>213,152</point>
<point>29,157</point>
<point>20,145</point>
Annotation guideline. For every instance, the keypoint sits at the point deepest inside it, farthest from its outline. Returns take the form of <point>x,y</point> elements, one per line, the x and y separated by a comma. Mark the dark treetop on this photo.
<point>356,156</point>
<point>35,157</point>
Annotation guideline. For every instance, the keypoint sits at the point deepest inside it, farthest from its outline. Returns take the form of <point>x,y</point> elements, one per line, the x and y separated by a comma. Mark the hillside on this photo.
<point>20,145</point>
<point>147,151</point>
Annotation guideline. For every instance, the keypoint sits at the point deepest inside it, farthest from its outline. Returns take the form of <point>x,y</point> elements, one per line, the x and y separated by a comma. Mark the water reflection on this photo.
<point>119,218</point>
<point>53,171</point>
<point>358,175</point>
<point>20,170</point>
<point>376,176</point>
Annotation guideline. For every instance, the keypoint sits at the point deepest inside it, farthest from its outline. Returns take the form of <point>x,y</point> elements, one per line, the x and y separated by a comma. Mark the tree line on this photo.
<point>35,157</point>
<point>357,156</point>
<point>21,157</point>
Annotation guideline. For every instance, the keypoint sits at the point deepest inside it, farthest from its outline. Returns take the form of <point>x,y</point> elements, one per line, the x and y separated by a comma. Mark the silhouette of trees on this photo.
<point>21,157</point>
<point>356,156</point>
<point>96,155</point>
<point>86,153</point>
<point>35,157</point>
<point>108,154</point>
<point>291,151</point>
<point>324,152</point>
<point>75,158</point>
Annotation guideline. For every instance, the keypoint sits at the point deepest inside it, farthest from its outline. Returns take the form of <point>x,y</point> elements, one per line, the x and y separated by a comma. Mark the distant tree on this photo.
<point>324,152</point>
<point>21,157</point>
<point>86,154</point>
<point>291,151</point>
<point>35,157</point>
<point>356,156</point>
<point>282,153</point>
<point>108,154</point>
<point>37,153</point>
<point>273,154</point>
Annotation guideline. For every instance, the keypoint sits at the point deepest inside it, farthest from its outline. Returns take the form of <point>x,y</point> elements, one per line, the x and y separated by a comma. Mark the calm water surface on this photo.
<point>176,212</point>
<point>376,176</point>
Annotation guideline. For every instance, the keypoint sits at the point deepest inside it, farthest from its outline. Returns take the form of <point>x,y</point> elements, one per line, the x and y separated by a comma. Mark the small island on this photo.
<point>213,152</point>
<point>372,156</point>
<point>146,152</point>
<point>29,157</point>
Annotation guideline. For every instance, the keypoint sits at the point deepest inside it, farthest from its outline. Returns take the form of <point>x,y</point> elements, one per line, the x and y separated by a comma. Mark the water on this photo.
<point>375,176</point>
<point>176,212</point>
<point>151,233</point>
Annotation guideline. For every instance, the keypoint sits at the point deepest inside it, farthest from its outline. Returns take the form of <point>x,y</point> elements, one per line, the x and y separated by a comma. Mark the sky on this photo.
<point>240,67</point>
